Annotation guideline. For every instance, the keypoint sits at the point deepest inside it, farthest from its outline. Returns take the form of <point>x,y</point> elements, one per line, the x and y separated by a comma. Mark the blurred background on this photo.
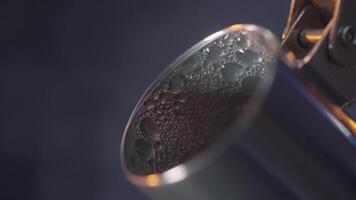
<point>71,71</point>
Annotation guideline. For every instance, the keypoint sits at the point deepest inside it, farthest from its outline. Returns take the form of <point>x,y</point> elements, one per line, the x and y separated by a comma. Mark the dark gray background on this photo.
<point>71,72</point>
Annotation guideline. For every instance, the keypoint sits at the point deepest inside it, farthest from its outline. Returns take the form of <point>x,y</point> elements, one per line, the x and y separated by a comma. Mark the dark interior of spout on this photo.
<point>193,105</point>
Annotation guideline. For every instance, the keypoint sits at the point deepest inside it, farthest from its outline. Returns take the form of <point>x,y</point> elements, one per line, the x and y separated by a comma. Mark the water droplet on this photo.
<point>163,101</point>
<point>249,57</point>
<point>144,149</point>
<point>215,54</point>
<point>182,98</point>
<point>179,115</point>
<point>149,105</point>
<point>241,42</point>
<point>150,130</point>
<point>157,146</point>
<point>190,64</point>
<point>176,83</point>
<point>157,95</point>
<point>241,50</point>
<point>231,72</point>
<point>162,117</point>
<point>165,86</point>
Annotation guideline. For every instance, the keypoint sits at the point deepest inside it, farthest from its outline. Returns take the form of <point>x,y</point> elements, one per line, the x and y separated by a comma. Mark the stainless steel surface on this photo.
<point>204,130</point>
<point>224,121</point>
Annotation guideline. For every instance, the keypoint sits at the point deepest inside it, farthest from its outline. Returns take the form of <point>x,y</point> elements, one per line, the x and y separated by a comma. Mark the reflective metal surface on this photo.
<point>220,123</point>
<point>221,116</point>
